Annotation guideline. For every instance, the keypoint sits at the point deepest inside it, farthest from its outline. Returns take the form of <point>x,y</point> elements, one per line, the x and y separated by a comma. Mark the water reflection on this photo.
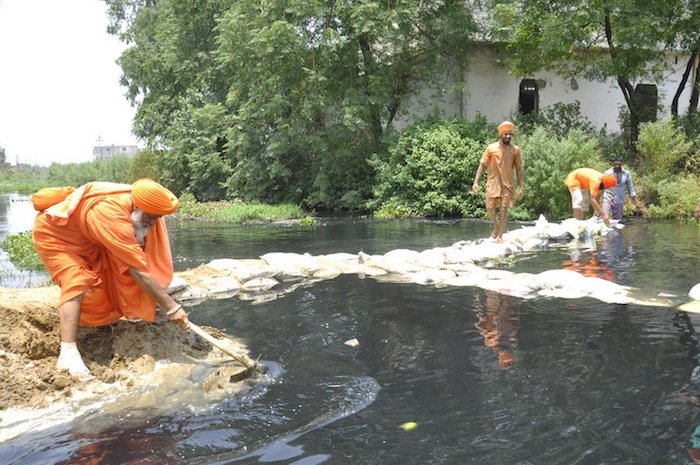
<point>694,449</point>
<point>589,264</point>
<point>124,448</point>
<point>600,258</point>
<point>498,323</point>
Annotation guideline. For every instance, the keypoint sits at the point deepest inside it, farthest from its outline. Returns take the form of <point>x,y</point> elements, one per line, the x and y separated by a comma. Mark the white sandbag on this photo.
<point>695,292</point>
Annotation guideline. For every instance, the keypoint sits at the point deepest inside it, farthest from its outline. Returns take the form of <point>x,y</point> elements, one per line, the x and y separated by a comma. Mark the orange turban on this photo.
<point>505,126</point>
<point>153,198</point>
<point>609,181</point>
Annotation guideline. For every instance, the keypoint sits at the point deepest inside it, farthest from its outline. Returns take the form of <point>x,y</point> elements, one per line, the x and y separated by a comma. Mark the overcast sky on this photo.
<point>59,83</point>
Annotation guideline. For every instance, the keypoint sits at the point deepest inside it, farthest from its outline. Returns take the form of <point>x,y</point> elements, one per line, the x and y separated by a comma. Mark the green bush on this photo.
<point>690,125</point>
<point>428,172</point>
<point>673,197</point>
<point>559,118</point>
<point>21,251</point>
<point>238,212</point>
<point>662,147</point>
<point>479,130</point>
<point>547,159</point>
<point>343,180</point>
<point>430,168</point>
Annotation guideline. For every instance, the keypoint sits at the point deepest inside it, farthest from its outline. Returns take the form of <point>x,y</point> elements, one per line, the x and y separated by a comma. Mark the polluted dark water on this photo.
<point>486,378</point>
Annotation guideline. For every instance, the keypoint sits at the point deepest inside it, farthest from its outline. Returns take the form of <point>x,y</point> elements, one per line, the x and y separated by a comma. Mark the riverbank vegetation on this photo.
<point>427,169</point>
<point>21,252</point>
<point>301,104</point>
<point>239,212</point>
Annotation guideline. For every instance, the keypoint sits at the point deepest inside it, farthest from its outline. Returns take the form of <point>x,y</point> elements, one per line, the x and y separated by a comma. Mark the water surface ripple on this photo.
<point>487,378</point>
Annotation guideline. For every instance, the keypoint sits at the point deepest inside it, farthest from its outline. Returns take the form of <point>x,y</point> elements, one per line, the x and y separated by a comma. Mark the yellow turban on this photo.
<point>505,126</point>
<point>153,198</point>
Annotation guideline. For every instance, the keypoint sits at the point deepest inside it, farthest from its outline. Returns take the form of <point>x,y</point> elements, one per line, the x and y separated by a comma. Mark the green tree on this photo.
<point>145,165</point>
<point>625,40</point>
<point>280,101</point>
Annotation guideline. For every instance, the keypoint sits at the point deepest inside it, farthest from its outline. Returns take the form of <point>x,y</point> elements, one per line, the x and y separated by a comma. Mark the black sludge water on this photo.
<point>487,378</point>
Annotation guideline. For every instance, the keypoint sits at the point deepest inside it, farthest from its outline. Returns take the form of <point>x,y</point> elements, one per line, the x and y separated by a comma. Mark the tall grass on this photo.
<point>234,212</point>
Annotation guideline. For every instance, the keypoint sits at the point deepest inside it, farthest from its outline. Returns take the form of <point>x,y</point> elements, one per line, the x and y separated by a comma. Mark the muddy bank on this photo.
<point>118,354</point>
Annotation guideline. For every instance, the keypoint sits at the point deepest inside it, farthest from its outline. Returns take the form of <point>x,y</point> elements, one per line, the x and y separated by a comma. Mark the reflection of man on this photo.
<point>694,449</point>
<point>585,186</point>
<point>502,159</point>
<point>614,197</point>
<point>499,328</point>
<point>107,247</point>
<point>591,267</point>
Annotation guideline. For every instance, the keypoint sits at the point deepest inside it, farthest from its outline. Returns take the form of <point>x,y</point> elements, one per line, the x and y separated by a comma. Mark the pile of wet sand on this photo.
<point>117,354</point>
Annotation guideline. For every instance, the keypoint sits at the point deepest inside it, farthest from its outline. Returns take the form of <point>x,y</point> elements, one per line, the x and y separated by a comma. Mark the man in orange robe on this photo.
<point>106,245</point>
<point>501,159</point>
<point>585,186</point>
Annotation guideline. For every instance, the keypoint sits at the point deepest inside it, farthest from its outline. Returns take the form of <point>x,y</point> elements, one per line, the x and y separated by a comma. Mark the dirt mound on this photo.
<point>29,346</point>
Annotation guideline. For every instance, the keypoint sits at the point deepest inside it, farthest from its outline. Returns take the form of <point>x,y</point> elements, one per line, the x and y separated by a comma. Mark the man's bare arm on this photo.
<point>154,290</point>
<point>477,178</point>
<point>599,211</point>
<point>521,178</point>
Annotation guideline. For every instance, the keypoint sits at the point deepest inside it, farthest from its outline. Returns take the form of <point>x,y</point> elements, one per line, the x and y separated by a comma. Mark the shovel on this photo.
<point>244,360</point>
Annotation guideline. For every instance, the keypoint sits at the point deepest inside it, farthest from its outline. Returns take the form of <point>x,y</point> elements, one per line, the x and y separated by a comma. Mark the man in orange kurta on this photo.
<point>106,245</point>
<point>585,186</point>
<point>501,160</point>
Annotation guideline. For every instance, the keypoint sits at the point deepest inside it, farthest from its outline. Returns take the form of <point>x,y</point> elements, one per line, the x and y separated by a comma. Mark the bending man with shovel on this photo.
<point>106,245</point>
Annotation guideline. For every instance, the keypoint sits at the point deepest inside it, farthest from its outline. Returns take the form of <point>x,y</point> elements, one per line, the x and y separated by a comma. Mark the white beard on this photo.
<point>140,229</point>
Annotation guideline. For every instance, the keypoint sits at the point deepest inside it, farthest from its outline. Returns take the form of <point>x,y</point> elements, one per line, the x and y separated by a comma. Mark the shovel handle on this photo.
<point>245,361</point>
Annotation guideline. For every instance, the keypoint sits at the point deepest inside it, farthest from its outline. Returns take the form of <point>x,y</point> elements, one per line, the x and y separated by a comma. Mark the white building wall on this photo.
<point>488,90</point>
<point>491,91</point>
<point>444,95</point>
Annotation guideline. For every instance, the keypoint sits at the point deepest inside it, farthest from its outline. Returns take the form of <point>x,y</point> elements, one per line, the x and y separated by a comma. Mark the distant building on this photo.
<point>105,152</point>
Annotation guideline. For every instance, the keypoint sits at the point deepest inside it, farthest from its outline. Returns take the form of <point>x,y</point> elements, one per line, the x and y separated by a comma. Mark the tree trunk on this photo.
<point>633,107</point>
<point>634,131</point>
<point>369,69</point>
<point>695,93</point>
<point>626,88</point>
<point>681,85</point>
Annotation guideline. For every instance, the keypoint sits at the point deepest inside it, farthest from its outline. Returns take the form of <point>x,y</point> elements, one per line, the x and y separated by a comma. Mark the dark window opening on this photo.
<point>529,97</point>
<point>647,97</point>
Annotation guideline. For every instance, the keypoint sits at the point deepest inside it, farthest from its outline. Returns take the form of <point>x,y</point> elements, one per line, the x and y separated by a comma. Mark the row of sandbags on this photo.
<point>464,263</point>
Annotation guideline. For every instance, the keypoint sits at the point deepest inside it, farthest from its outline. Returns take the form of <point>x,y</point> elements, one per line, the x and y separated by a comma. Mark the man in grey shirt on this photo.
<point>614,198</point>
